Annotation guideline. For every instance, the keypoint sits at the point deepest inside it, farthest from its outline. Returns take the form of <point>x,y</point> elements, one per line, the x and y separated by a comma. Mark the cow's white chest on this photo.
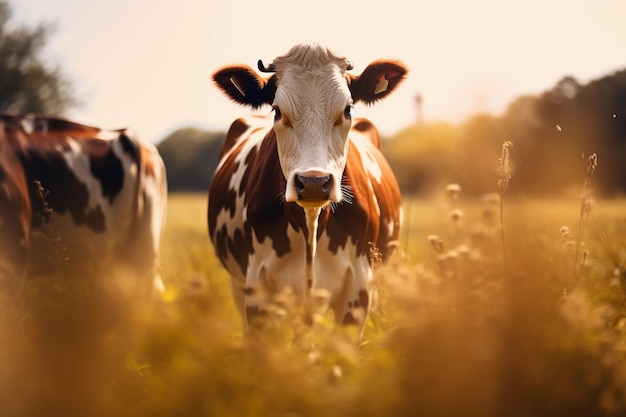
<point>341,273</point>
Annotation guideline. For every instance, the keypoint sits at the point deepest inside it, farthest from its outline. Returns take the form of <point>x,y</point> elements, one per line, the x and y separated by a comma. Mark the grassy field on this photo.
<point>460,326</point>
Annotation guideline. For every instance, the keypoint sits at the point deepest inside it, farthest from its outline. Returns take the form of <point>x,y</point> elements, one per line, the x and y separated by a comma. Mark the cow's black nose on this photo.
<point>313,186</point>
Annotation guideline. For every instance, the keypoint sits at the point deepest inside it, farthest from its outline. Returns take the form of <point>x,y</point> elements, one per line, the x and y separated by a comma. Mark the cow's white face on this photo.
<point>312,96</point>
<point>312,117</point>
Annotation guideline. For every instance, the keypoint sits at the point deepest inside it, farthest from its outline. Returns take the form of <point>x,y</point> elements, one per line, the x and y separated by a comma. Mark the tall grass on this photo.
<point>504,173</point>
<point>585,203</point>
<point>452,330</point>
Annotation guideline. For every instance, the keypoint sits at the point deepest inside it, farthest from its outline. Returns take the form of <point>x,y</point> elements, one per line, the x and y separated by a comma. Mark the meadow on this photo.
<point>461,325</point>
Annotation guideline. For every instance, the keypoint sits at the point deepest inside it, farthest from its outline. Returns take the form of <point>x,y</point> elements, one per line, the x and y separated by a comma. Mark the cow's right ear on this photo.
<point>377,81</point>
<point>245,86</point>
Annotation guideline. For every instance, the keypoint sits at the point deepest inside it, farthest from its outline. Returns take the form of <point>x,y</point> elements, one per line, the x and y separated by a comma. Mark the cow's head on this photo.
<point>312,97</point>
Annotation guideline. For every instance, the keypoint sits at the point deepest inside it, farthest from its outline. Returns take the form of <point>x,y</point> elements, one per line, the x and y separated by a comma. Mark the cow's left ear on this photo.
<point>377,80</point>
<point>245,86</point>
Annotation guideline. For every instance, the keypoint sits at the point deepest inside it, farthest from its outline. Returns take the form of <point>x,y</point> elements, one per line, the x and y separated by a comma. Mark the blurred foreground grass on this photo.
<point>456,329</point>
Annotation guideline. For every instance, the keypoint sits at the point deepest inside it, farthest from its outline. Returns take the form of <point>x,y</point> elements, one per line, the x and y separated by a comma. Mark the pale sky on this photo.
<point>146,64</point>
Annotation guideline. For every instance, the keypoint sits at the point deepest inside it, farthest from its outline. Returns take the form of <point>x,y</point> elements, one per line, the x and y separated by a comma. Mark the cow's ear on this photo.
<point>377,80</point>
<point>245,86</point>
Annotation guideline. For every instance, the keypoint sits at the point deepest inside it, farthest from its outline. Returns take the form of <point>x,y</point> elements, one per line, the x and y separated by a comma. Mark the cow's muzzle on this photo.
<point>313,186</point>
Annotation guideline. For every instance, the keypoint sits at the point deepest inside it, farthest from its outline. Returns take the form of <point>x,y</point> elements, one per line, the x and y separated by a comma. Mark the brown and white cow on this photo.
<point>78,198</point>
<point>305,199</point>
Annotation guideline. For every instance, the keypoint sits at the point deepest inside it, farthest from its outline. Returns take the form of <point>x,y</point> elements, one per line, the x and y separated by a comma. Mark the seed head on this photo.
<point>453,190</point>
<point>504,170</point>
<point>436,243</point>
<point>456,215</point>
<point>593,164</point>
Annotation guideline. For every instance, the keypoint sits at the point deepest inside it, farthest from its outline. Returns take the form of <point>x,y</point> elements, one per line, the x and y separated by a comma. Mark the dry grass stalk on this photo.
<point>585,201</point>
<point>504,173</point>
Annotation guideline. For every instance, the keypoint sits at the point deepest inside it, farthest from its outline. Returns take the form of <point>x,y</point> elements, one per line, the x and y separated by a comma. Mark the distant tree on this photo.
<point>422,156</point>
<point>191,156</point>
<point>27,83</point>
<point>554,132</point>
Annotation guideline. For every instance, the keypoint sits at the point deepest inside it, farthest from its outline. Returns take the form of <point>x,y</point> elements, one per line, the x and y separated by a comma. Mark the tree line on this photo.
<point>553,133</point>
<point>29,84</point>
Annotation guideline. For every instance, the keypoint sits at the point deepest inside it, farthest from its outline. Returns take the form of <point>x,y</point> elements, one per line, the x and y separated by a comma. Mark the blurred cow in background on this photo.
<point>78,198</point>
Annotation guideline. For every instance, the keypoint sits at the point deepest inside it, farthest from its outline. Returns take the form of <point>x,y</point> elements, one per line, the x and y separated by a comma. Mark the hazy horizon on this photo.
<point>147,64</point>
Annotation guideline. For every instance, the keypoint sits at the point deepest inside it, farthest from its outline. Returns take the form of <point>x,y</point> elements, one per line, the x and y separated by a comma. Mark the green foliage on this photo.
<point>191,156</point>
<point>27,83</point>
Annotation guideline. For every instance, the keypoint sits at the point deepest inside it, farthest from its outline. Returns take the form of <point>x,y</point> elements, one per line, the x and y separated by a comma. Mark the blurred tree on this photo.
<point>602,105</point>
<point>553,132</point>
<point>423,156</point>
<point>191,156</point>
<point>480,147</point>
<point>27,83</point>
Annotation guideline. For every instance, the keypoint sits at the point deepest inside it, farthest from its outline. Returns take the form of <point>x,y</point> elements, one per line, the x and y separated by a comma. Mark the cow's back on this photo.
<point>93,198</point>
<point>386,209</point>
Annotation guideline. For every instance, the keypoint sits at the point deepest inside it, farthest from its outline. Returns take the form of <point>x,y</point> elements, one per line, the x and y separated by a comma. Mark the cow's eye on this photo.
<point>277,113</point>
<point>347,112</point>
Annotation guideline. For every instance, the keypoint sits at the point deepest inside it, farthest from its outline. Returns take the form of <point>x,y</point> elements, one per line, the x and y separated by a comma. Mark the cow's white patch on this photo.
<point>239,217</point>
<point>279,272</point>
<point>342,275</point>
<point>117,214</point>
<point>363,144</point>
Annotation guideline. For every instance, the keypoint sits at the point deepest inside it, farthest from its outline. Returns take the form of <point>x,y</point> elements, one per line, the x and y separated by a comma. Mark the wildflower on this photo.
<point>285,299</point>
<point>436,243</point>
<point>456,215</point>
<point>585,257</point>
<point>585,202</point>
<point>276,312</point>
<point>447,262</point>
<point>453,190</point>
<point>375,255</point>
<point>592,164</point>
<point>463,252</point>
<point>564,232</point>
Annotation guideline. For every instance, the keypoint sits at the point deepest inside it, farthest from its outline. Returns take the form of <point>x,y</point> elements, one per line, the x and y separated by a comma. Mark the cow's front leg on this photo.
<point>352,305</point>
<point>258,293</point>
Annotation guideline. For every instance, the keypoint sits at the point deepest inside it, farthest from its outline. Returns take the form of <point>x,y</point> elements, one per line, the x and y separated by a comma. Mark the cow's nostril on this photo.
<point>299,184</point>
<point>328,184</point>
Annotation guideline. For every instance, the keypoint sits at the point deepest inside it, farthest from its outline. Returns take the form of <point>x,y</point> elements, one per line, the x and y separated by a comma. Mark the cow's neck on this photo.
<point>312,219</point>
